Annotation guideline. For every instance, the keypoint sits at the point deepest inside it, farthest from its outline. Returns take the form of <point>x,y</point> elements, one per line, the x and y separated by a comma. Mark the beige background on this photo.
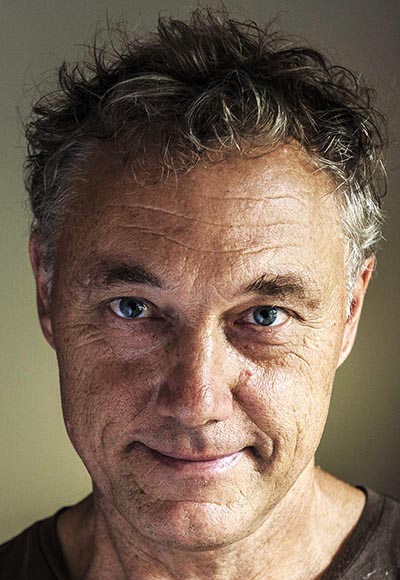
<point>39,469</point>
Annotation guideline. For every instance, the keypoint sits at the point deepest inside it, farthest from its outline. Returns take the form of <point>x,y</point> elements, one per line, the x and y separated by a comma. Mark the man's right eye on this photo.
<point>130,308</point>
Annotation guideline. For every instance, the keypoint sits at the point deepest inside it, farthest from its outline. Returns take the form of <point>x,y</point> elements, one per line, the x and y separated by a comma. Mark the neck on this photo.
<point>296,540</point>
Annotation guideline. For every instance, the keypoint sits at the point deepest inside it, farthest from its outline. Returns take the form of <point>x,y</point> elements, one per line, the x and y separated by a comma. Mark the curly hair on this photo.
<point>211,86</point>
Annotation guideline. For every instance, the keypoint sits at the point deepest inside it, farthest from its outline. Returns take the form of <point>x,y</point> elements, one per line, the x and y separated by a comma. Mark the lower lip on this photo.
<point>211,465</point>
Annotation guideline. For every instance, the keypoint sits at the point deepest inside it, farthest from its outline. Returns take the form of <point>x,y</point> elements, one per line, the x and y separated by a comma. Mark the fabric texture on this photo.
<point>372,552</point>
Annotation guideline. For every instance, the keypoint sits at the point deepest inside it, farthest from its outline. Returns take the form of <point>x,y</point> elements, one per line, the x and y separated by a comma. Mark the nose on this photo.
<point>198,389</point>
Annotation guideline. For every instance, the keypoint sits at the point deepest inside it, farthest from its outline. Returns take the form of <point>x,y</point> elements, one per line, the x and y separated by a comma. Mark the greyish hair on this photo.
<point>211,86</point>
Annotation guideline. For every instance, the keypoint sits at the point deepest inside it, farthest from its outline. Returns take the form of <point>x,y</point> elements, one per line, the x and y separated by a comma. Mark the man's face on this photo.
<point>198,324</point>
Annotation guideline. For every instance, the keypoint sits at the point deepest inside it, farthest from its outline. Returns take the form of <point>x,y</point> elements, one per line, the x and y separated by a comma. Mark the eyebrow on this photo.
<point>285,286</point>
<point>108,274</point>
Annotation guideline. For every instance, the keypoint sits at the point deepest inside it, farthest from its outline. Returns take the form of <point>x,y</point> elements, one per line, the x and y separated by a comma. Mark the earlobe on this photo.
<point>37,257</point>
<point>359,290</point>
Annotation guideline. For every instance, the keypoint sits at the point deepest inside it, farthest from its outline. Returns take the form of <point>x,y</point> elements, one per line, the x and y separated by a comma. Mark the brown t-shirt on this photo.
<point>372,552</point>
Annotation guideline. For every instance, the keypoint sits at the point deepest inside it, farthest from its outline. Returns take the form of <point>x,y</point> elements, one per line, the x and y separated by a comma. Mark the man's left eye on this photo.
<point>130,308</point>
<point>267,316</point>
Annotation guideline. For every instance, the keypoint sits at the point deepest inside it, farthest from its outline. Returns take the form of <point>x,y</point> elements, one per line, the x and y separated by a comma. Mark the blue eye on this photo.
<point>129,308</point>
<point>267,316</point>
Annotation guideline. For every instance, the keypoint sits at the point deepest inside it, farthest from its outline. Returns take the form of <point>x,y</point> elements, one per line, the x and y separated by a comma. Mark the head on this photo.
<point>207,212</point>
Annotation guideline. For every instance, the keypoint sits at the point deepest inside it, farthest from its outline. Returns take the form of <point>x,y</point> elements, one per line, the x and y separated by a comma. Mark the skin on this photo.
<point>239,406</point>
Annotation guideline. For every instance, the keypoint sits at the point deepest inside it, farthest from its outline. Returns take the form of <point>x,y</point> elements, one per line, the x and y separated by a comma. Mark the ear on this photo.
<point>37,256</point>
<point>359,290</point>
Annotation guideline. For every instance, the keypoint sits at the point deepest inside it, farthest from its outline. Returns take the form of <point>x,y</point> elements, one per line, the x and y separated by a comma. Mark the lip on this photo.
<point>196,463</point>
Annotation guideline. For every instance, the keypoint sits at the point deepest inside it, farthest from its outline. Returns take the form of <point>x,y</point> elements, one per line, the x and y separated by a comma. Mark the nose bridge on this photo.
<point>198,388</point>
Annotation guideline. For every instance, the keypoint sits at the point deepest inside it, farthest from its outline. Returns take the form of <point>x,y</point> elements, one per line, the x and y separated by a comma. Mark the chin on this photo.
<point>192,526</point>
<point>194,512</point>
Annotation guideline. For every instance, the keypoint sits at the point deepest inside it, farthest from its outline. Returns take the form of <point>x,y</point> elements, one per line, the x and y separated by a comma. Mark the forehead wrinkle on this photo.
<point>185,199</point>
<point>195,218</point>
<point>243,250</point>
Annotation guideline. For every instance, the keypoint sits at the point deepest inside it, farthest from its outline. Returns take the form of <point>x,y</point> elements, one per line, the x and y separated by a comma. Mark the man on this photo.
<point>206,214</point>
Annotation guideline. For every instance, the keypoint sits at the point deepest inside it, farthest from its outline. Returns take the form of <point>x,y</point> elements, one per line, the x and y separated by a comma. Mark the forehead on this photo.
<point>276,208</point>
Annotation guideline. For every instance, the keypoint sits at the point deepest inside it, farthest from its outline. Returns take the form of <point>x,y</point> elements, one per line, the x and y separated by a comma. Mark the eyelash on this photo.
<point>279,312</point>
<point>146,308</point>
<point>116,301</point>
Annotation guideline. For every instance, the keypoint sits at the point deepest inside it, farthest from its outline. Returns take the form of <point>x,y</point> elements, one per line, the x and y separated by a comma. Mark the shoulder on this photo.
<point>373,548</point>
<point>15,552</point>
<point>378,551</point>
<point>34,553</point>
<point>386,531</point>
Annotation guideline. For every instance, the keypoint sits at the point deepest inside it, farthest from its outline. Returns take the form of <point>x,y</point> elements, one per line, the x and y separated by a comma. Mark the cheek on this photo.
<point>102,391</point>
<point>289,399</point>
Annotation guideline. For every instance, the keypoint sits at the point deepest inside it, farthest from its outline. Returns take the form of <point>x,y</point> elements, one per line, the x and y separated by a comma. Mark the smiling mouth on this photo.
<point>197,463</point>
